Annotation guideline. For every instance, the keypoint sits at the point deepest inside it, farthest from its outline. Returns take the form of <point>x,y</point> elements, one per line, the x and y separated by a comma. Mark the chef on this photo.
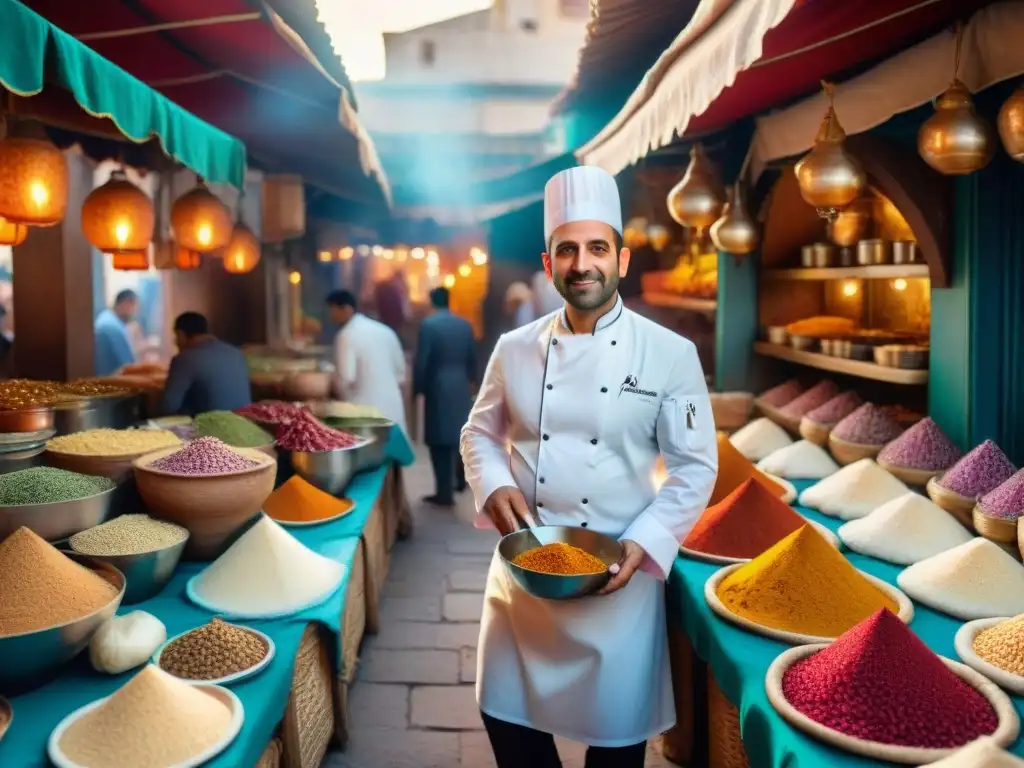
<point>572,414</point>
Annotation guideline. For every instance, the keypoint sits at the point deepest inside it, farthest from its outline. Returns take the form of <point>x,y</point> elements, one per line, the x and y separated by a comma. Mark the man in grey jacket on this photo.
<point>444,374</point>
<point>207,374</point>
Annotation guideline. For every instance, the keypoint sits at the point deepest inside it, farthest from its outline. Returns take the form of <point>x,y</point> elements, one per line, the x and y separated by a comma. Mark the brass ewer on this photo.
<point>736,231</point>
<point>1011,125</point>
<point>829,177</point>
<point>696,201</point>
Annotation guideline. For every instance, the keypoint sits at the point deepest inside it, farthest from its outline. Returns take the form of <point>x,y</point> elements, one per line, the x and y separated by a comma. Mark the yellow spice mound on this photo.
<point>802,585</point>
<point>1003,645</point>
<point>113,442</point>
<point>152,721</point>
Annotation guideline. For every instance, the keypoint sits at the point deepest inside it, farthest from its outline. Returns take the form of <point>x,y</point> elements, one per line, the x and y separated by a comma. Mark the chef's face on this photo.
<point>585,263</point>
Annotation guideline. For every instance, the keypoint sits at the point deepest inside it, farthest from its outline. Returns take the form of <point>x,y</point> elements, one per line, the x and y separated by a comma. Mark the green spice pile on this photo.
<point>128,535</point>
<point>212,651</point>
<point>44,485</point>
<point>232,429</point>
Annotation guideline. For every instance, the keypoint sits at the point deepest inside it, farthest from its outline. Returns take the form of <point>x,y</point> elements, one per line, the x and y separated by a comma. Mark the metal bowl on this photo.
<point>377,429</point>
<point>330,471</point>
<point>57,519</point>
<point>803,343</point>
<point>874,251</point>
<point>145,573</point>
<point>902,356</point>
<point>26,420</point>
<point>777,334</point>
<point>552,586</point>
<point>31,659</point>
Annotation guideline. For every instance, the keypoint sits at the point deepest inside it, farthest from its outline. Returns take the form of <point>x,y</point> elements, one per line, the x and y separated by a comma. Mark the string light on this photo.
<point>294,278</point>
<point>377,250</point>
<point>478,256</point>
<point>417,253</point>
<point>849,288</point>
<point>465,270</point>
<point>388,254</point>
<point>324,256</point>
<point>345,254</point>
<point>363,250</point>
<point>449,281</point>
<point>899,284</point>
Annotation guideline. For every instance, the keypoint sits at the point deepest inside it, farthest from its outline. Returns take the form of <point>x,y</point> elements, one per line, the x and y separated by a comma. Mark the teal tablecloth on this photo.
<point>740,659</point>
<point>264,696</point>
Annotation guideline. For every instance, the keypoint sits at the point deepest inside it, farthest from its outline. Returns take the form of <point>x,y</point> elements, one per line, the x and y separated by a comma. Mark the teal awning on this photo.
<point>34,54</point>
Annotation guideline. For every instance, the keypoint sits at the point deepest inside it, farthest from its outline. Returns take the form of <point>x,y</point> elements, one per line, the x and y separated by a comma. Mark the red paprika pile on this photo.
<point>273,412</point>
<point>307,433</point>
<point>879,682</point>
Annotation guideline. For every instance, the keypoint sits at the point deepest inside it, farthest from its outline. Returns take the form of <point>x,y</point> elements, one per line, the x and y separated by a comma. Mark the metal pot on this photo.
<point>807,256</point>
<point>777,335</point>
<point>824,255</point>
<point>905,252</point>
<point>874,252</point>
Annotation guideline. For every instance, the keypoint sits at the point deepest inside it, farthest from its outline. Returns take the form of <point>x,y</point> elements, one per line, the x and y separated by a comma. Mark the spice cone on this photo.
<point>734,470</point>
<point>760,438</point>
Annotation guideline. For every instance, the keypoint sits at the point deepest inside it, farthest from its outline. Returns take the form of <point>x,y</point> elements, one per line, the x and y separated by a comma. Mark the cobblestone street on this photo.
<point>413,705</point>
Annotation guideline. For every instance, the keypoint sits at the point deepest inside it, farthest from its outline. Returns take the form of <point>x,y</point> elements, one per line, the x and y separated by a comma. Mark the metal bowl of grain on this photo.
<point>554,586</point>
<point>57,519</point>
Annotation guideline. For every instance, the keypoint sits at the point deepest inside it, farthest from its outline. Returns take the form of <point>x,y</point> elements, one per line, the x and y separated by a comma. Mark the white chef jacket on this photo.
<point>371,366</point>
<point>577,421</point>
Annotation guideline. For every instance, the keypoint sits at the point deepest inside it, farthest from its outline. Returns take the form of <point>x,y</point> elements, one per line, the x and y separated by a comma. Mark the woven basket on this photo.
<point>725,746</point>
<point>997,530</point>
<point>271,757</point>
<point>308,723</point>
<point>391,498</point>
<point>353,624</point>
<point>677,743</point>
<point>377,561</point>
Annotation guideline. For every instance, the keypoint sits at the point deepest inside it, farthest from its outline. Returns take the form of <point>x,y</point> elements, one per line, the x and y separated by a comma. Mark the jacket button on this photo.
<point>554,342</point>
<point>540,479</point>
<point>592,442</point>
<point>583,525</point>
<point>584,501</point>
<point>544,437</point>
<point>550,386</point>
<point>604,389</point>
<point>613,343</point>
<point>540,504</point>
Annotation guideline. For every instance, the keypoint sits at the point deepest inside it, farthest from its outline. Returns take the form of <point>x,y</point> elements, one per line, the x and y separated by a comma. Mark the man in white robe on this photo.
<point>573,412</point>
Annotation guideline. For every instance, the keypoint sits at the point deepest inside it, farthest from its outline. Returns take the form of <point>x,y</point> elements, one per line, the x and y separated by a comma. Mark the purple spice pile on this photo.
<point>205,456</point>
<point>923,446</point>
<point>813,398</point>
<point>782,394</point>
<point>868,425</point>
<point>1006,501</point>
<point>836,409</point>
<point>980,471</point>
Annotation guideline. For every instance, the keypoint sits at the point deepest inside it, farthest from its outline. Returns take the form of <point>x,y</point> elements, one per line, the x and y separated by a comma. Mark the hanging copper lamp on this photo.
<point>131,261</point>
<point>658,236</point>
<point>1011,125</point>
<point>736,231</point>
<point>696,200</point>
<point>200,221</point>
<point>11,233</point>
<point>33,178</point>
<point>829,177</point>
<point>118,216</point>
<point>185,259</point>
<point>242,254</point>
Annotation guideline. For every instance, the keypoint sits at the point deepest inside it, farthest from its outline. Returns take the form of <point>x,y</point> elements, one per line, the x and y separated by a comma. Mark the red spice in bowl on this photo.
<point>879,682</point>
<point>923,446</point>
<point>274,412</point>
<point>784,393</point>
<point>307,434</point>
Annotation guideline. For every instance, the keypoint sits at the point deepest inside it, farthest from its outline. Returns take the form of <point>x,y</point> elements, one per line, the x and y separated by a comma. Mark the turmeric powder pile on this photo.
<point>298,501</point>
<point>561,559</point>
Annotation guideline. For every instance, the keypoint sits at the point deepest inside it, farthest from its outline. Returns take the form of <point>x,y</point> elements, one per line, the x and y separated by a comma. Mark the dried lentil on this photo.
<point>45,485</point>
<point>205,456</point>
<point>308,434</point>
<point>128,535</point>
<point>212,651</point>
<point>113,442</point>
<point>879,682</point>
<point>1003,645</point>
<point>923,446</point>
<point>232,429</point>
<point>980,471</point>
<point>561,559</point>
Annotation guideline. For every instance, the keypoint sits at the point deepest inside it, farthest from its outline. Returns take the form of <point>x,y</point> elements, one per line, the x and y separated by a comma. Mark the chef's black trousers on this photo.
<point>449,472</point>
<point>516,746</point>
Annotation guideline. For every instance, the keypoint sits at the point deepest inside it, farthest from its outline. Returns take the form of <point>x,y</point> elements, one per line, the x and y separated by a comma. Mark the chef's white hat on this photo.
<point>584,193</point>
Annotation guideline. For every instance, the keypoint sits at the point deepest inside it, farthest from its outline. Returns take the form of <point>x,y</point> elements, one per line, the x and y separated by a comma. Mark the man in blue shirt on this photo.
<point>113,347</point>
<point>207,374</point>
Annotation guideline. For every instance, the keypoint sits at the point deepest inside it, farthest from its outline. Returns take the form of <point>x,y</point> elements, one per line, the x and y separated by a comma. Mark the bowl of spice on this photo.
<point>217,653</point>
<point>234,430</point>
<point>559,562</point>
<point>208,487</point>
<point>145,550</point>
<point>998,513</point>
<point>982,470</point>
<point>26,405</point>
<point>862,434</point>
<point>377,429</point>
<point>106,452</point>
<point>52,502</point>
<point>995,648</point>
<point>322,456</point>
<point>51,604</point>
<point>922,452</point>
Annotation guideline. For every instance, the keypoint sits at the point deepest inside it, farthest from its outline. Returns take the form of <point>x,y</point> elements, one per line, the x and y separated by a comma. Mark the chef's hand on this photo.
<point>505,507</point>
<point>632,557</point>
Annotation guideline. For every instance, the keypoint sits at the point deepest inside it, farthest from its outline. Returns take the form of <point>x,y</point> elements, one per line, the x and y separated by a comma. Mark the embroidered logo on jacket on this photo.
<point>632,387</point>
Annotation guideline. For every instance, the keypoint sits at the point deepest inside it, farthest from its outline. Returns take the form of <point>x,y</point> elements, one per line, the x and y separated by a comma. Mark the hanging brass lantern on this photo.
<point>634,234</point>
<point>955,140</point>
<point>118,216</point>
<point>33,178</point>
<point>829,177</point>
<point>736,231</point>
<point>200,222</point>
<point>659,236</point>
<point>185,259</point>
<point>131,261</point>
<point>11,233</point>
<point>1011,125</point>
<point>696,200</point>
<point>243,252</point>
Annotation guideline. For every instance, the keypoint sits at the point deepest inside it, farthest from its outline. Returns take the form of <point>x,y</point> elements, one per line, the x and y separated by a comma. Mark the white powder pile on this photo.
<point>152,721</point>
<point>760,438</point>
<point>267,572</point>
<point>904,531</point>
<point>983,752</point>
<point>854,491</point>
<point>803,460</point>
<point>976,580</point>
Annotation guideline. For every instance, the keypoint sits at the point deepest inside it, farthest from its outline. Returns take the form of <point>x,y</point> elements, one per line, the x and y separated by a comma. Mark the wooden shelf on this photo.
<point>863,369</point>
<point>880,272</point>
<point>687,303</point>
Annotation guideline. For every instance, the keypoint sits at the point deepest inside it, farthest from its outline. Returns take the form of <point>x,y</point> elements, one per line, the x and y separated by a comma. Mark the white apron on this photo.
<point>576,422</point>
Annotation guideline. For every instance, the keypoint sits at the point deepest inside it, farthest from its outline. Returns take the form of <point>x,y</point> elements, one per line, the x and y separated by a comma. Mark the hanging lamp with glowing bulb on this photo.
<point>634,234</point>
<point>185,259</point>
<point>11,233</point>
<point>33,177</point>
<point>118,216</point>
<point>200,222</point>
<point>696,201</point>
<point>1011,125</point>
<point>830,178</point>
<point>736,231</point>
<point>243,252</point>
<point>131,261</point>
<point>955,140</point>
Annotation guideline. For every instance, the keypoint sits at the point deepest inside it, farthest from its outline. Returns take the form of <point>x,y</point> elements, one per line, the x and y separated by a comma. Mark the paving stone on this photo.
<point>447,707</point>
<point>385,666</point>
<point>467,665</point>
<point>475,750</point>
<point>394,748</point>
<point>413,635</point>
<point>410,609</point>
<point>468,581</point>
<point>371,705</point>
<point>433,586</point>
<point>463,606</point>
<point>474,545</point>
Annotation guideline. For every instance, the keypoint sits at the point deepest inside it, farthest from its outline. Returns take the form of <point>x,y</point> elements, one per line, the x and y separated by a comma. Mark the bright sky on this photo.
<point>356,27</point>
